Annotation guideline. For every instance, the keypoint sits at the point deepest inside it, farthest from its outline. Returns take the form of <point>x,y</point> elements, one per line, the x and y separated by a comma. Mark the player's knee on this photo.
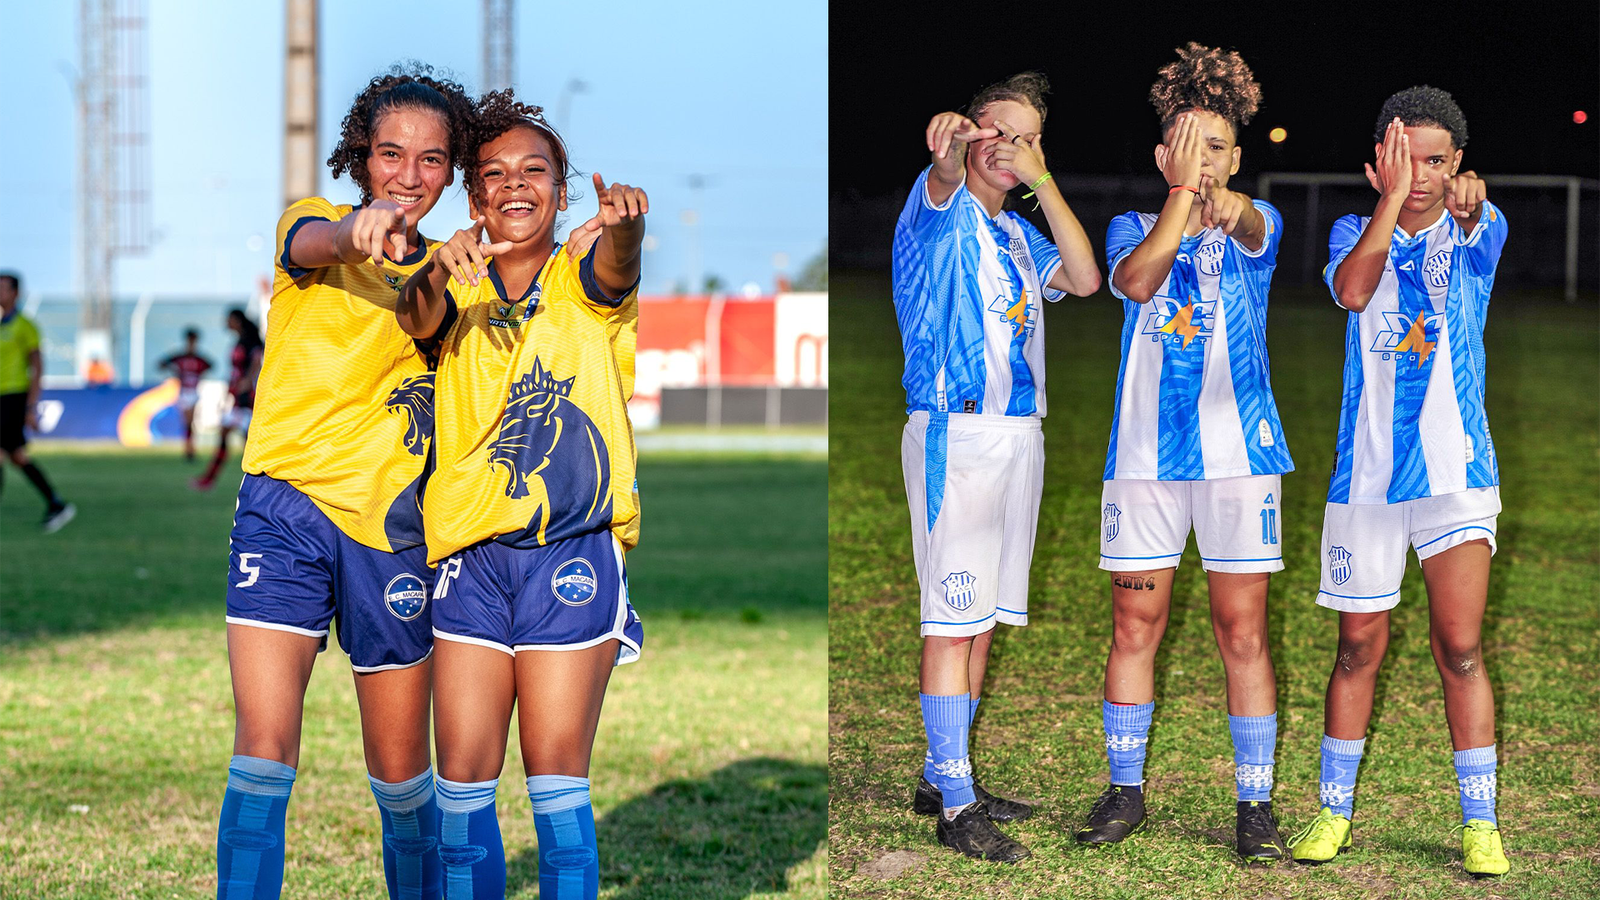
<point>1459,658</point>
<point>1358,655</point>
<point>1244,644</point>
<point>1136,634</point>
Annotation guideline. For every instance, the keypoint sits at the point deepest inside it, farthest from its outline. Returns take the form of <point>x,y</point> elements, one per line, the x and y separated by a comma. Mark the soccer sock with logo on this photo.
<point>1127,727</point>
<point>945,719</point>
<point>569,860</point>
<point>410,817</point>
<point>927,756</point>
<point>1255,738</point>
<point>470,849</point>
<point>1476,779</point>
<point>1340,761</point>
<point>250,833</point>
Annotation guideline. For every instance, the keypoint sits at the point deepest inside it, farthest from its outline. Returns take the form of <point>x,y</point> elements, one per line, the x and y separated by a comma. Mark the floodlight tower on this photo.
<point>499,43</point>
<point>299,101</point>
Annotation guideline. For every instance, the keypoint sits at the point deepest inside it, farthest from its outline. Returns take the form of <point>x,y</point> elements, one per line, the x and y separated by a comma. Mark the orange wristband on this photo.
<point>1182,187</point>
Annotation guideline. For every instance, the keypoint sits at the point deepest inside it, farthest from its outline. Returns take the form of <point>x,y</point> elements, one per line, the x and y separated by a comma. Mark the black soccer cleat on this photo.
<point>972,834</point>
<point>928,801</point>
<point>1117,813</point>
<point>1255,832</point>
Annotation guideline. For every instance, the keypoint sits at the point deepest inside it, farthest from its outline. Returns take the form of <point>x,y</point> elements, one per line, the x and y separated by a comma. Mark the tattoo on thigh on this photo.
<point>1134,582</point>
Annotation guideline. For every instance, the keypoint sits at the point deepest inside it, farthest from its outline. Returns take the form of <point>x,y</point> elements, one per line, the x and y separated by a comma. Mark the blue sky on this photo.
<point>731,92</point>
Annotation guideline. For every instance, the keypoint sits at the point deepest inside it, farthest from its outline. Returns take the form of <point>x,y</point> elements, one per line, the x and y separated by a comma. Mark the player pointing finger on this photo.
<point>463,255</point>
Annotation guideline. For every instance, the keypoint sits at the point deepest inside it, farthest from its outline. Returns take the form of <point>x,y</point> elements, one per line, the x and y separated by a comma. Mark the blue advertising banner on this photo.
<point>131,416</point>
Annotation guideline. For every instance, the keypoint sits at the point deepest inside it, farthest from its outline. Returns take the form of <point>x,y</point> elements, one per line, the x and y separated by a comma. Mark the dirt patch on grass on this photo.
<point>892,864</point>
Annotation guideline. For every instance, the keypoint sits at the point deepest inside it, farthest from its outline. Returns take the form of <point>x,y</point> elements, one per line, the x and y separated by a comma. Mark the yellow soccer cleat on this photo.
<point>1482,854</point>
<point>1327,836</point>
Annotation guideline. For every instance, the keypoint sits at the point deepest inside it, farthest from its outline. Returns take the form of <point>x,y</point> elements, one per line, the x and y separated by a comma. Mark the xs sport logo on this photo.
<point>1408,339</point>
<point>1179,324</point>
<point>1019,313</point>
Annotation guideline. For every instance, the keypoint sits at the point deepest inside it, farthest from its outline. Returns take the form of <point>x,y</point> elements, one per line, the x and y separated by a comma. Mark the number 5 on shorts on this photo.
<point>247,568</point>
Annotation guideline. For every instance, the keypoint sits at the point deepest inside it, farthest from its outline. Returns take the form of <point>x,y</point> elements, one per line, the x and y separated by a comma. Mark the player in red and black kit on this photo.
<point>246,359</point>
<point>188,366</point>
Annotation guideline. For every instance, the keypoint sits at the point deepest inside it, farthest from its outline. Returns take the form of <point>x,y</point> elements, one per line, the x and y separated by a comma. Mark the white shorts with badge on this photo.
<point>237,418</point>
<point>1236,523</point>
<point>973,483</point>
<point>1364,544</point>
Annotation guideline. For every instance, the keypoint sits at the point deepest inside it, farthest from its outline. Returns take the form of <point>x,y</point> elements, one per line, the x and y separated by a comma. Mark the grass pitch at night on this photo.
<point>116,717</point>
<point>1038,734</point>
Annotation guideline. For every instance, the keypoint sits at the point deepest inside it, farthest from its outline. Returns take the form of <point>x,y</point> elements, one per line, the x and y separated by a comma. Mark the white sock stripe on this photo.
<point>1253,776</point>
<point>1331,793</point>
<point>1123,743</point>
<point>1479,787</point>
<point>954,768</point>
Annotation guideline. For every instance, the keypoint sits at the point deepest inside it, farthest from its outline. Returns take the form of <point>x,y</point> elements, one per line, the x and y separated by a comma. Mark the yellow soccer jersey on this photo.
<point>532,438</point>
<point>344,404</point>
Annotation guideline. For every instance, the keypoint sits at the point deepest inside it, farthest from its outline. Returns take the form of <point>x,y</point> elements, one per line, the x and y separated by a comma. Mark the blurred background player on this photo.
<point>968,278</point>
<point>19,395</point>
<point>328,521</point>
<point>188,367</point>
<point>1195,440</point>
<point>534,500</point>
<point>1415,464</point>
<point>245,364</point>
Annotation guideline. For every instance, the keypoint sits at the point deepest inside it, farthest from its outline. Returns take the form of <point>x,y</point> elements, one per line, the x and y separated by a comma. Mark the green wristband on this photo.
<point>1033,188</point>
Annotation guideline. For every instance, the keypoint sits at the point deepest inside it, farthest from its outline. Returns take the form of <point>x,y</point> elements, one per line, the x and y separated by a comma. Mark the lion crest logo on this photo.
<point>550,447</point>
<point>413,400</point>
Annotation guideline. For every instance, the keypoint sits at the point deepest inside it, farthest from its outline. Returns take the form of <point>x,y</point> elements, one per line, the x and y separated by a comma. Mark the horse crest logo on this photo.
<point>551,449</point>
<point>413,400</point>
<point>1339,560</point>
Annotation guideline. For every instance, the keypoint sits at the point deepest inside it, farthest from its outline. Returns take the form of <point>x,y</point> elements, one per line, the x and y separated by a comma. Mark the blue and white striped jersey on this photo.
<point>1194,392</point>
<point>1412,421</point>
<point>966,292</point>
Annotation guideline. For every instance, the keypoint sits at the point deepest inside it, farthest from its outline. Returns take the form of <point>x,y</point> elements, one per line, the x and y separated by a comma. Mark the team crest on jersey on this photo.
<point>504,313</point>
<point>960,589</point>
<point>405,596</point>
<point>546,442</point>
<point>1181,325</point>
<point>395,281</point>
<point>1108,519</point>
<point>1437,269</point>
<point>1020,254</point>
<point>574,582</point>
<point>1018,313</point>
<point>1339,564</point>
<point>1208,257</point>
<point>413,400</point>
<point>1408,340</point>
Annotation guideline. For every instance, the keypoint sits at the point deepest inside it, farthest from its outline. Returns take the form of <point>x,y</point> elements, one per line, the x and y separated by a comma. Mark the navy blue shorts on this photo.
<point>291,569</point>
<point>567,595</point>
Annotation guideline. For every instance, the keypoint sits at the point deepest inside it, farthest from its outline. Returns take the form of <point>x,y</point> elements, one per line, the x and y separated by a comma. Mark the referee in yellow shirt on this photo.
<point>19,394</point>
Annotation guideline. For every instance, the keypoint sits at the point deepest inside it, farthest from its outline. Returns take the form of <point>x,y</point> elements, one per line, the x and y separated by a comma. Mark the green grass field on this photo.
<point>1038,733</point>
<point>116,715</point>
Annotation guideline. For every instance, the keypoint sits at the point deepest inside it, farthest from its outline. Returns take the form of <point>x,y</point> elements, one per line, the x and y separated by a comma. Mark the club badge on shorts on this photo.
<point>574,582</point>
<point>960,589</point>
<point>1339,560</point>
<point>405,596</point>
<point>1109,518</point>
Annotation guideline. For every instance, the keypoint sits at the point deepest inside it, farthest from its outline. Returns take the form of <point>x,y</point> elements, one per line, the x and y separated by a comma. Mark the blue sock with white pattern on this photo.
<point>1255,738</point>
<point>1127,728</point>
<point>250,833</point>
<point>410,816</point>
<point>1340,762</point>
<point>569,860</point>
<point>470,849</point>
<point>945,718</point>
<point>927,755</point>
<point>1476,779</point>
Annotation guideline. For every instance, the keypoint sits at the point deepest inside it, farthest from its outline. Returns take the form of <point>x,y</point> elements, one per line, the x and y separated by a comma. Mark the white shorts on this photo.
<point>1364,544</point>
<point>973,483</point>
<point>1236,523</point>
<point>187,398</point>
<point>237,418</point>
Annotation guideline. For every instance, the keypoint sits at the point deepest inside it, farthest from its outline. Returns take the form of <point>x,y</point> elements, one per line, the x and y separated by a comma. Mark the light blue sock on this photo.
<point>410,816</point>
<point>1340,760</point>
<point>569,860</point>
<point>927,755</point>
<point>1255,738</point>
<point>470,849</point>
<point>1127,732</point>
<point>945,718</point>
<point>1476,779</point>
<point>250,833</point>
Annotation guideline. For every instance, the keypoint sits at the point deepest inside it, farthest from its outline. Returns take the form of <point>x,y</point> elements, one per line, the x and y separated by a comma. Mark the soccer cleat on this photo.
<point>971,833</point>
<point>1117,813</point>
<point>928,801</point>
<point>57,517</point>
<point>1255,832</point>
<point>1327,836</point>
<point>1482,854</point>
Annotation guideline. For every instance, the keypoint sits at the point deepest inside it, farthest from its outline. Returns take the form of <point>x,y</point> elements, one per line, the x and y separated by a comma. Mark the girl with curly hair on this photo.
<point>1195,440</point>
<point>534,500</point>
<point>328,524</point>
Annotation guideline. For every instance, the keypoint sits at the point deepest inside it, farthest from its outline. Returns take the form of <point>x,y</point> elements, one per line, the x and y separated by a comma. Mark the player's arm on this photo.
<point>1357,277</point>
<point>364,234</point>
<point>947,136</point>
<point>465,257</point>
<point>1142,272</point>
<point>252,369</point>
<point>620,226</point>
<point>1234,213</point>
<point>1023,156</point>
<point>30,415</point>
<point>1464,194</point>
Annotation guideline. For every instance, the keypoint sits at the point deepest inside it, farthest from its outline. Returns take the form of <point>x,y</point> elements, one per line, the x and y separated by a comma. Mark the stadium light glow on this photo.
<point>1579,117</point>
<point>1277,135</point>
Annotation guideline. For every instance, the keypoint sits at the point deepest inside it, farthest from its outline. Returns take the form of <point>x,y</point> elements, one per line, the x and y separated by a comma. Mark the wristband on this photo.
<point>1182,187</point>
<point>1033,188</point>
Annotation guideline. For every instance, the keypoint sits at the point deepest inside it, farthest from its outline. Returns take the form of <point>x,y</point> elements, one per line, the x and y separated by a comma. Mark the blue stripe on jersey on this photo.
<point>1349,406</point>
<point>1464,367</point>
<point>935,448</point>
<point>965,369</point>
<point>1130,320</point>
<point>1247,358</point>
<point>1182,375</point>
<point>1413,369</point>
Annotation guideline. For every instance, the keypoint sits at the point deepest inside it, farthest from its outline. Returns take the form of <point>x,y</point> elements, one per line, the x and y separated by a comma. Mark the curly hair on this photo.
<point>496,113</point>
<point>1206,78</point>
<point>410,85</point>
<point>1427,106</point>
<point>1024,87</point>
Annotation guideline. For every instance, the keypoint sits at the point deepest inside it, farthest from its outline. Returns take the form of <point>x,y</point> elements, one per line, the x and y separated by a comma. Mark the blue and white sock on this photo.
<point>250,833</point>
<point>410,837</point>
<point>1127,727</point>
<point>945,719</point>
<point>927,756</point>
<point>1340,761</point>
<point>470,849</point>
<point>569,860</point>
<point>1476,779</point>
<point>1255,739</point>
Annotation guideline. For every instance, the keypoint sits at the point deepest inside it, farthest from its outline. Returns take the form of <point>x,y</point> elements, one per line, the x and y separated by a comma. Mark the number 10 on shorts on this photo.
<point>1269,526</point>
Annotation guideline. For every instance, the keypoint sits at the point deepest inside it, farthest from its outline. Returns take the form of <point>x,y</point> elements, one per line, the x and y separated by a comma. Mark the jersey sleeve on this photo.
<point>1267,256</point>
<point>27,335</point>
<point>311,209</point>
<point>1123,234</point>
<point>1341,240</point>
<point>593,292</point>
<point>432,347</point>
<point>1046,258</point>
<point>1479,249</point>
<point>923,220</point>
